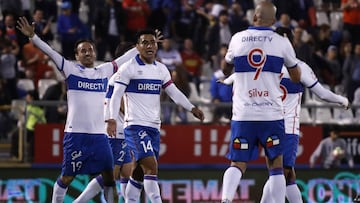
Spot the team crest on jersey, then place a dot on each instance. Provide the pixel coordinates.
(142, 134)
(240, 143)
(272, 141)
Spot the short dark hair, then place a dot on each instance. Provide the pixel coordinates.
(82, 41)
(34, 94)
(284, 30)
(144, 32)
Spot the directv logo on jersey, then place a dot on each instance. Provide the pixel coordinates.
(256, 39)
(149, 87)
(90, 85)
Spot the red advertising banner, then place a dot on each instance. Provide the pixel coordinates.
(180, 144)
(208, 144)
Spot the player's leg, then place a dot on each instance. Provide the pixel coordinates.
(271, 140)
(231, 180)
(92, 189)
(60, 188)
(135, 185)
(240, 150)
(110, 192)
(293, 193)
(151, 186)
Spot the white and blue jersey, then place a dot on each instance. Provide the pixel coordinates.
(292, 93)
(86, 91)
(142, 95)
(258, 55)
(140, 85)
(86, 146)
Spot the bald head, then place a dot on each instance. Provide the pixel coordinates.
(265, 14)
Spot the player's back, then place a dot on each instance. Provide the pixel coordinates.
(258, 55)
(292, 95)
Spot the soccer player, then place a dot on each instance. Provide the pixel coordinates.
(141, 80)
(258, 55)
(122, 156)
(86, 146)
(292, 106)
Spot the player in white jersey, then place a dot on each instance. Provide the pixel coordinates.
(292, 93)
(121, 152)
(258, 55)
(86, 146)
(140, 80)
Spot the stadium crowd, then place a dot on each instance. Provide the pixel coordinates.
(326, 35)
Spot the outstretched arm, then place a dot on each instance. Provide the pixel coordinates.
(329, 96)
(29, 31)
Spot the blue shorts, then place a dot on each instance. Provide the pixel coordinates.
(143, 141)
(86, 154)
(290, 146)
(247, 135)
(120, 151)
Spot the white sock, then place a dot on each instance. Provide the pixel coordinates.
(123, 184)
(231, 181)
(91, 190)
(110, 192)
(133, 191)
(59, 191)
(152, 189)
(266, 197)
(293, 194)
(277, 185)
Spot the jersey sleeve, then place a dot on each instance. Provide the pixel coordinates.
(229, 57)
(308, 77)
(290, 59)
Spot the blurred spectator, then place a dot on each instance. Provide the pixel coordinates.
(284, 21)
(237, 18)
(331, 151)
(218, 34)
(351, 19)
(8, 68)
(302, 48)
(216, 60)
(5, 118)
(11, 6)
(192, 62)
(70, 29)
(351, 71)
(42, 26)
(169, 55)
(187, 20)
(109, 28)
(9, 31)
(302, 11)
(323, 39)
(34, 115)
(56, 92)
(179, 77)
(137, 12)
(245, 4)
(334, 66)
(220, 93)
(34, 59)
(48, 7)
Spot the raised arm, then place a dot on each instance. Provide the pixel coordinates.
(29, 31)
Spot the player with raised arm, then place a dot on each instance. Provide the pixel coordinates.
(141, 80)
(122, 156)
(292, 93)
(86, 146)
(257, 55)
